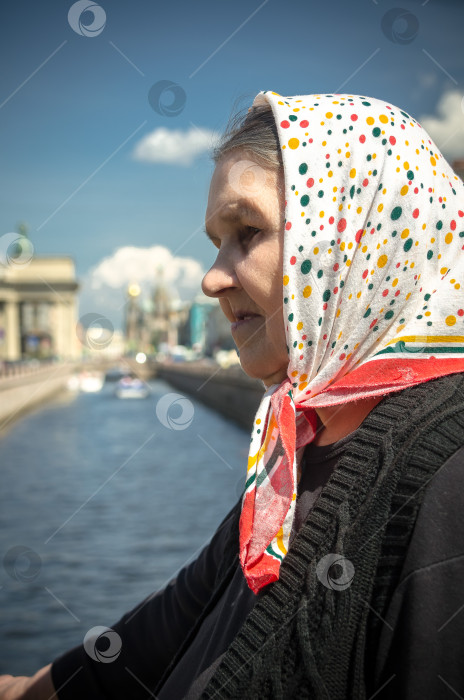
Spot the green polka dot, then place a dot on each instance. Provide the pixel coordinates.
(376, 131)
(439, 225)
(410, 175)
(320, 193)
(407, 245)
(303, 168)
(326, 295)
(396, 213)
(389, 314)
(368, 313)
(429, 254)
(304, 201)
(306, 266)
(290, 318)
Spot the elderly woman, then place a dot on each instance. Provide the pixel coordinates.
(339, 228)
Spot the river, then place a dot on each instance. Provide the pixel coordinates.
(102, 500)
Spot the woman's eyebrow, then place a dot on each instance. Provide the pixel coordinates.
(237, 214)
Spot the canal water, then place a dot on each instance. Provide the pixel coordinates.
(102, 500)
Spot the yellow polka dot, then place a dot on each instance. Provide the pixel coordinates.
(286, 279)
(395, 282)
(404, 190)
(405, 233)
(383, 118)
(382, 261)
(303, 377)
(353, 172)
(300, 346)
(342, 245)
(329, 115)
(370, 120)
(448, 237)
(330, 173)
(307, 292)
(321, 214)
(293, 143)
(359, 210)
(258, 420)
(450, 320)
(443, 270)
(457, 286)
(299, 325)
(400, 328)
(380, 207)
(302, 386)
(294, 373)
(406, 165)
(434, 162)
(338, 313)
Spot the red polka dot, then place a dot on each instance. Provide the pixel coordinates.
(362, 138)
(288, 225)
(392, 140)
(310, 140)
(358, 235)
(373, 323)
(354, 117)
(415, 213)
(460, 312)
(285, 124)
(342, 189)
(292, 260)
(416, 190)
(403, 126)
(324, 337)
(365, 182)
(364, 274)
(327, 155)
(335, 267)
(304, 123)
(321, 227)
(324, 306)
(335, 290)
(341, 226)
(310, 182)
(303, 337)
(301, 357)
(453, 225)
(385, 292)
(342, 356)
(331, 220)
(396, 293)
(461, 213)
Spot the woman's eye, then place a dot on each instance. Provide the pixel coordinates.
(250, 231)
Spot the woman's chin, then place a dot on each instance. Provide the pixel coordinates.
(257, 368)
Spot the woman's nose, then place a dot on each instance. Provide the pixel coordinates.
(220, 278)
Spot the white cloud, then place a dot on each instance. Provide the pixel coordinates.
(104, 288)
(176, 147)
(447, 128)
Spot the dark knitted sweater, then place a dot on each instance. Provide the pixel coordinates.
(303, 638)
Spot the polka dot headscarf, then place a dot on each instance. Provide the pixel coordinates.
(372, 284)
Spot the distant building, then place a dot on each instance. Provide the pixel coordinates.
(38, 308)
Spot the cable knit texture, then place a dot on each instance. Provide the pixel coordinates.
(303, 639)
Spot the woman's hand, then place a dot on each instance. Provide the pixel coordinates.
(38, 687)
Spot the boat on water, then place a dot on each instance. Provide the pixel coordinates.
(88, 382)
(131, 388)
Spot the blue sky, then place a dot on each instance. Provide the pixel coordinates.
(69, 127)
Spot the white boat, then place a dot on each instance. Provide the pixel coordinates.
(131, 388)
(88, 382)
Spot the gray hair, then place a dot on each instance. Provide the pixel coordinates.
(254, 131)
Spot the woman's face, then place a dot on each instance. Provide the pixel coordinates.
(245, 221)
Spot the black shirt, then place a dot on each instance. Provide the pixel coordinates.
(430, 589)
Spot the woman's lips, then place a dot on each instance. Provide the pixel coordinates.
(244, 322)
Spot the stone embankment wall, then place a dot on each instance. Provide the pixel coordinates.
(229, 391)
(20, 393)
